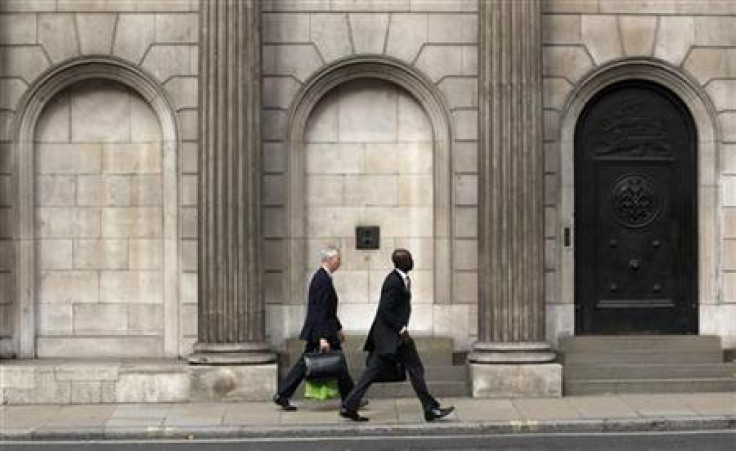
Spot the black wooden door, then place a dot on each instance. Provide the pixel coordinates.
(635, 213)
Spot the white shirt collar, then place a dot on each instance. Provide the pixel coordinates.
(402, 274)
(327, 270)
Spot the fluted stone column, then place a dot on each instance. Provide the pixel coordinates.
(506, 359)
(231, 314)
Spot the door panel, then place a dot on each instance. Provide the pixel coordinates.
(635, 213)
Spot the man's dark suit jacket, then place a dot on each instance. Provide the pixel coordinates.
(321, 320)
(394, 310)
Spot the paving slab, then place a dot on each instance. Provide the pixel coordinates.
(711, 404)
(546, 409)
(601, 407)
(486, 410)
(307, 417)
(609, 413)
(141, 411)
(660, 405)
(251, 413)
(140, 423)
(382, 416)
(27, 417)
(379, 411)
(90, 416)
(409, 410)
(195, 415)
(315, 406)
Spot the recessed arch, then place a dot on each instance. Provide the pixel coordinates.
(32, 104)
(708, 135)
(424, 92)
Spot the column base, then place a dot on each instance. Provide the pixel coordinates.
(514, 352)
(233, 383)
(7, 349)
(231, 354)
(516, 381)
(514, 370)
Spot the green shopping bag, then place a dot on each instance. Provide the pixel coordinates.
(322, 390)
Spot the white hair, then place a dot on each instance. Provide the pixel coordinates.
(327, 253)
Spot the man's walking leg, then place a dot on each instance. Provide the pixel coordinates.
(352, 402)
(294, 377)
(345, 383)
(288, 385)
(408, 353)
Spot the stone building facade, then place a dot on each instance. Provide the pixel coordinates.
(169, 168)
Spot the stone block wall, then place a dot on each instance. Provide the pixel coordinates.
(96, 197)
(695, 38)
(369, 162)
(99, 224)
(439, 40)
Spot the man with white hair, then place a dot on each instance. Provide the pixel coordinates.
(322, 329)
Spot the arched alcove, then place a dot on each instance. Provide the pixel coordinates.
(704, 117)
(35, 100)
(405, 79)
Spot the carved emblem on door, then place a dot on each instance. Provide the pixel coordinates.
(635, 202)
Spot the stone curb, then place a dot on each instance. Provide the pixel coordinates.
(653, 424)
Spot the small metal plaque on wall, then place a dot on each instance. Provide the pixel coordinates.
(367, 237)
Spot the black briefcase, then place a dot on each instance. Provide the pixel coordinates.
(392, 370)
(324, 365)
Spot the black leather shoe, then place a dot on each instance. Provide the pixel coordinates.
(437, 413)
(283, 403)
(350, 415)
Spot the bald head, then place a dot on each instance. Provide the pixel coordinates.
(402, 260)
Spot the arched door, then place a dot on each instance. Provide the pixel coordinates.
(636, 253)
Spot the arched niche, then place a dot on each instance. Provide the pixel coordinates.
(32, 104)
(704, 116)
(424, 92)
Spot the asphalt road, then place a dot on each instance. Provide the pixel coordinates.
(700, 441)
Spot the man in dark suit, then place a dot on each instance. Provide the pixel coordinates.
(389, 341)
(322, 329)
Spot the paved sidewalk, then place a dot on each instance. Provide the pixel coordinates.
(711, 411)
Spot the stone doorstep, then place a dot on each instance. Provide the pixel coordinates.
(93, 381)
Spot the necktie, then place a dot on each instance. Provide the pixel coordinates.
(408, 284)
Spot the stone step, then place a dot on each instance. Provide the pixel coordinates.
(405, 390)
(644, 364)
(653, 343)
(357, 358)
(431, 373)
(429, 358)
(604, 386)
(354, 343)
(667, 371)
(634, 356)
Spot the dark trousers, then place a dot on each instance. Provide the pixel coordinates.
(407, 353)
(295, 376)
